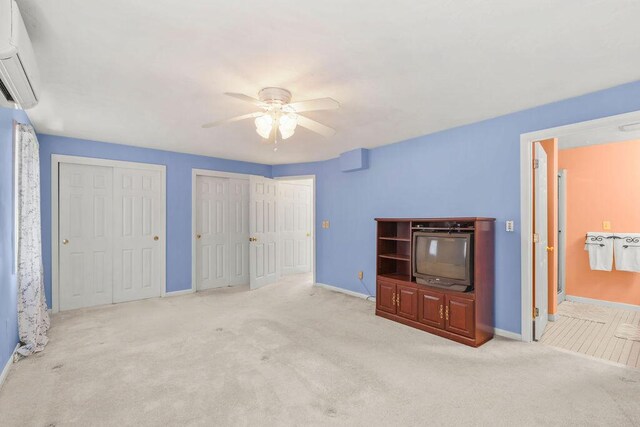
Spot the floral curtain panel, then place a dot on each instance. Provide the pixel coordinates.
(33, 318)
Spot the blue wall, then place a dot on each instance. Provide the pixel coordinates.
(8, 291)
(178, 194)
(471, 170)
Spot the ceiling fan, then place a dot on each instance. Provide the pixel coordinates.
(279, 115)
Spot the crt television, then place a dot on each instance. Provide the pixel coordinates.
(444, 260)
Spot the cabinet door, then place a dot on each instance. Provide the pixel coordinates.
(459, 316)
(386, 296)
(431, 308)
(407, 301)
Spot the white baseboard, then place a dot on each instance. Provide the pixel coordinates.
(178, 293)
(7, 366)
(603, 303)
(507, 334)
(346, 291)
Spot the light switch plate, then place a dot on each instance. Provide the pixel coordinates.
(606, 225)
(509, 225)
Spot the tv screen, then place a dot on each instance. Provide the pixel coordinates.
(444, 256)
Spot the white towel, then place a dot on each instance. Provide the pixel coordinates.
(600, 249)
(627, 250)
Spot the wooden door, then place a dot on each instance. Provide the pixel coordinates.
(386, 296)
(86, 237)
(431, 308)
(407, 302)
(459, 316)
(138, 227)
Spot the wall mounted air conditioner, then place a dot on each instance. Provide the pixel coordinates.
(18, 68)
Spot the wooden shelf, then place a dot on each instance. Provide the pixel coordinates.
(399, 257)
(396, 276)
(443, 229)
(397, 239)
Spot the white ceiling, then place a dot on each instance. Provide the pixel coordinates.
(149, 73)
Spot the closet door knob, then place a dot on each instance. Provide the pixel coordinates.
(65, 241)
(198, 236)
(155, 238)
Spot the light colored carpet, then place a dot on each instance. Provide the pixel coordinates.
(628, 331)
(292, 354)
(589, 312)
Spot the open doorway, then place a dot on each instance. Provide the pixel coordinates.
(581, 262)
(296, 228)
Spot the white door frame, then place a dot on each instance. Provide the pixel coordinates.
(56, 159)
(561, 293)
(313, 215)
(194, 174)
(526, 194)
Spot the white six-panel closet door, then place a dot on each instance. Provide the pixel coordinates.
(295, 227)
(85, 230)
(212, 228)
(264, 257)
(139, 225)
(238, 231)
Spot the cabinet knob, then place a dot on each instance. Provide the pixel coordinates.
(198, 236)
(549, 248)
(156, 238)
(65, 241)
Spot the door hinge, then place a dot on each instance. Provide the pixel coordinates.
(536, 163)
(536, 237)
(537, 312)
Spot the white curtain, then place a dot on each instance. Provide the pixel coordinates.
(33, 318)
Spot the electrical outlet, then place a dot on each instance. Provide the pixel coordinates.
(509, 225)
(360, 275)
(325, 223)
(606, 225)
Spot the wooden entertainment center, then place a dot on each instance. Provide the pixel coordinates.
(466, 317)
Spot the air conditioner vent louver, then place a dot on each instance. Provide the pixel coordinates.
(5, 92)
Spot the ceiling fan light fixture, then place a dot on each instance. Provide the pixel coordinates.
(263, 125)
(288, 123)
(279, 115)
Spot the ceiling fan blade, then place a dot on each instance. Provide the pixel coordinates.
(315, 104)
(246, 98)
(232, 119)
(316, 127)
